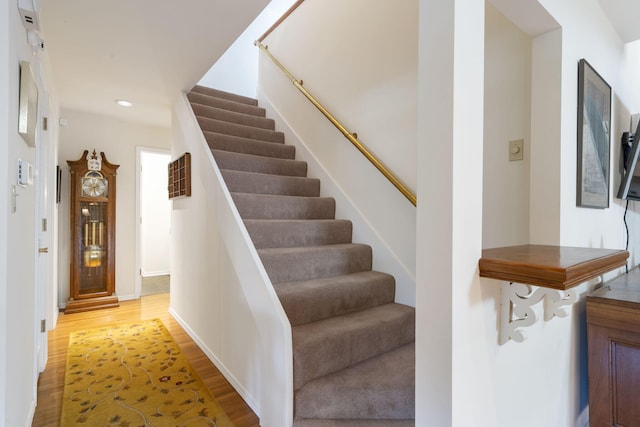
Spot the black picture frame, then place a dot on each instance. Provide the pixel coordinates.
(594, 138)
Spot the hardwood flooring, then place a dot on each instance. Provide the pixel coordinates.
(51, 381)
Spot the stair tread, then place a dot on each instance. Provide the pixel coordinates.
(279, 233)
(260, 183)
(217, 93)
(232, 116)
(238, 144)
(230, 105)
(389, 381)
(306, 422)
(330, 345)
(244, 131)
(255, 163)
(312, 300)
(314, 262)
(274, 206)
(313, 249)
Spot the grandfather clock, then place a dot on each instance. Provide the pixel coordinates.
(93, 231)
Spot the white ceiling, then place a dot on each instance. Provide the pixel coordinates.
(532, 18)
(145, 51)
(625, 17)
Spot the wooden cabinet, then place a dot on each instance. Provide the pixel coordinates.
(93, 225)
(613, 328)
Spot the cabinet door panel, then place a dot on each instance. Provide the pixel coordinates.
(626, 383)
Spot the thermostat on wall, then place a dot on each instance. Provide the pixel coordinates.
(25, 173)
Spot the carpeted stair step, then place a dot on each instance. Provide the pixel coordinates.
(340, 395)
(259, 164)
(260, 183)
(232, 116)
(226, 104)
(352, 423)
(314, 262)
(217, 93)
(268, 206)
(219, 141)
(274, 233)
(330, 345)
(219, 126)
(312, 300)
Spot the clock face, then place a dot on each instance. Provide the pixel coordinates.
(94, 185)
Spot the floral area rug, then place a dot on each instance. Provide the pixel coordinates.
(134, 375)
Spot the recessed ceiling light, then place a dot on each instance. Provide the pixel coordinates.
(124, 103)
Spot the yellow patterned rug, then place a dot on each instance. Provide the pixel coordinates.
(134, 375)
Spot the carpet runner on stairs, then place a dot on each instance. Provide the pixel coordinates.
(353, 346)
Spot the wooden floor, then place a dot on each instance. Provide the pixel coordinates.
(51, 381)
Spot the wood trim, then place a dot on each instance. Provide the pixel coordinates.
(556, 267)
(279, 21)
(180, 177)
(91, 303)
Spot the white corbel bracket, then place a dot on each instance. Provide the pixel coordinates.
(516, 311)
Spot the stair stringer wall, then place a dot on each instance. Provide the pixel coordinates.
(384, 257)
(268, 387)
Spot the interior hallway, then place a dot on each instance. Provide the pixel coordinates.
(51, 381)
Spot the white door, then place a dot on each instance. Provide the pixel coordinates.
(154, 214)
(44, 265)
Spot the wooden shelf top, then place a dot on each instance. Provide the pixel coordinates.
(623, 291)
(556, 267)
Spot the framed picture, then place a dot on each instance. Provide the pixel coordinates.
(28, 104)
(594, 134)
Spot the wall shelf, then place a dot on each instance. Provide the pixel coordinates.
(554, 270)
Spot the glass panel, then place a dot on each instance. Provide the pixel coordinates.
(93, 252)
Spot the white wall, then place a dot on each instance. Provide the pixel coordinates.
(452, 388)
(18, 370)
(118, 140)
(5, 107)
(591, 37)
(626, 101)
(542, 381)
(507, 117)
(363, 78)
(237, 70)
(206, 296)
(155, 211)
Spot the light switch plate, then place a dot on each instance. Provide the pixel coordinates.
(516, 150)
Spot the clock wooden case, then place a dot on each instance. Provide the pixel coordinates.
(93, 226)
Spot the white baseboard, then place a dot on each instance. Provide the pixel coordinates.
(155, 273)
(221, 367)
(32, 414)
(583, 418)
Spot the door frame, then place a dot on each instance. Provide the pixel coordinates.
(138, 261)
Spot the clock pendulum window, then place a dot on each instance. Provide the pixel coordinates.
(92, 219)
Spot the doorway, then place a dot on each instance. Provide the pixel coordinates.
(154, 222)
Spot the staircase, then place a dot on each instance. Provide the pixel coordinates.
(353, 346)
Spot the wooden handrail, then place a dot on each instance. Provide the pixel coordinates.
(352, 137)
(279, 21)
